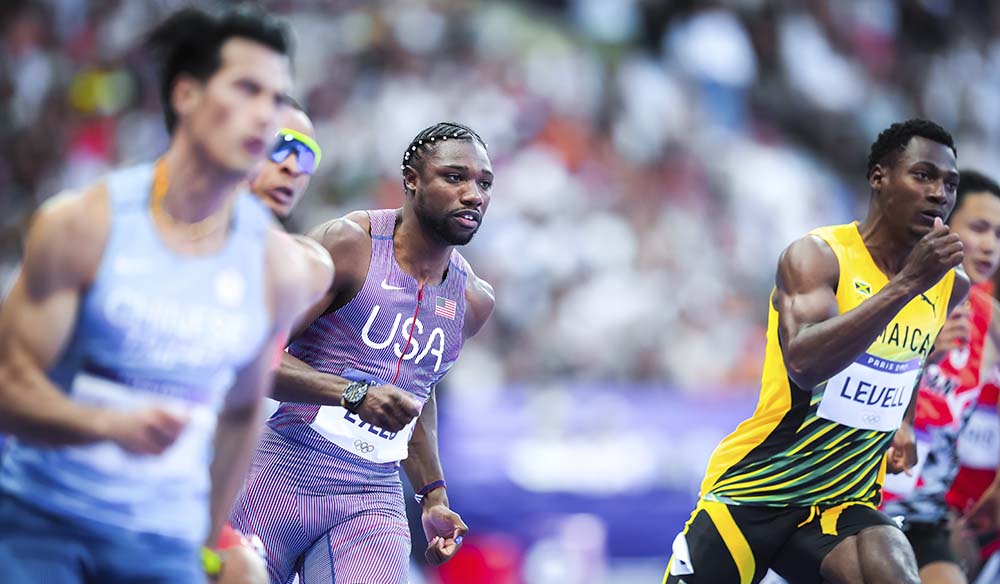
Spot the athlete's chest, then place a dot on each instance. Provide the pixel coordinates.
(912, 330)
(191, 316)
(424, 331)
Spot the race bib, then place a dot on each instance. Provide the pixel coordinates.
(347, 430)
(190, 450)
(350, 432)
(979, 442)
(903, 485)
(870, 394)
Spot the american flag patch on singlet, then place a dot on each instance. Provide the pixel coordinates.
(445, 307)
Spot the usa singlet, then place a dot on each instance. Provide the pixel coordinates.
(827, 446)
(392, 331)
(324, 493)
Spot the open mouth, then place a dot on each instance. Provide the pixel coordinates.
(254, 146)
(984, 267)
(282, 195)
(467, 219)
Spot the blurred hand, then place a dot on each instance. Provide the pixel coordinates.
(242, 561)
(389, 407)
(147, 431)
(984, 516)
(242, 565)
(444, 530)
(902, 455)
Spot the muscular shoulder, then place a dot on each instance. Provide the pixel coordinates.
(479, 302)
(300, 271)
(344, 234)
(348, 241)
(67, 238)
(806, 264)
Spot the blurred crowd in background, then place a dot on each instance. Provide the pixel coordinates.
(652, 157)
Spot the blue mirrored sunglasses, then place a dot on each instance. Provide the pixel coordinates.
(306, 150)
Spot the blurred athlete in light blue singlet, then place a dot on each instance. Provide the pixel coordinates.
(141, 334)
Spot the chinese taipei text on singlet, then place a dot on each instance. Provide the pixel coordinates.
(156, 327)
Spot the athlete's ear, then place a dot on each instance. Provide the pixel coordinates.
(185, 95)
(410, 179)
(876, 178)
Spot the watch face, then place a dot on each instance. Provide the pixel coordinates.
(355, 392)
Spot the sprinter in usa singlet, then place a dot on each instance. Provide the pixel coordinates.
(324, 493)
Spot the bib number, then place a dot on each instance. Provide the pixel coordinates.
(350, 432)
(347, 430)
(870, 394)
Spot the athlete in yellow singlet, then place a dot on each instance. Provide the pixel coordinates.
(853, 314)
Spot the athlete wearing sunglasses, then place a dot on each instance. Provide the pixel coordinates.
(284, 177)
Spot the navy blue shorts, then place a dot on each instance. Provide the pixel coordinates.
(39, 547)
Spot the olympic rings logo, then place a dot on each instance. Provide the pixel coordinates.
(362, 446)
(872, 418)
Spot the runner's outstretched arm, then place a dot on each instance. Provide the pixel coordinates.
(295, 281)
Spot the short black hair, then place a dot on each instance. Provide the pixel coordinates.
(972, 181)
(893, 140)
(189, 42)
(427, 140)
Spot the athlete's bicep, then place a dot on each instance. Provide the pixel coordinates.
(805, 287)
(349, 246)
(34, 330)
(61, 256)
(311, 314)
(287, 300)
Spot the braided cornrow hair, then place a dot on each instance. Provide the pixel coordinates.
(427, 140)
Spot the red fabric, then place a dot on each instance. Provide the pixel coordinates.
(945, 388)
(970, 483)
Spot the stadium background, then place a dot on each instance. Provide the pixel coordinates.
(652, 158)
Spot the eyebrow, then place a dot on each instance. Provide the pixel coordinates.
(464, 168)
(933, 165)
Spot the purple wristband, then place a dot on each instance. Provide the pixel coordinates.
(438, 484)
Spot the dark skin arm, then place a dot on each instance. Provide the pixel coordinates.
(817, 342)
(443, 527)
(385, 406)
